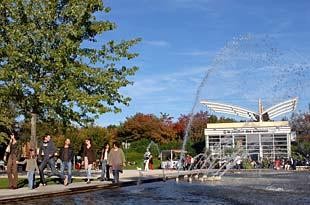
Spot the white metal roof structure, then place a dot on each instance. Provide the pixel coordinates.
(281, 108)
(230, 109)
(261, 115)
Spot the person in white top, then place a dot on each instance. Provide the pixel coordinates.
(146, 160)
(238, 162)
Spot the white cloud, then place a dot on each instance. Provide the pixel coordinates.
(166, 86)
(159, 43)
(197, 53)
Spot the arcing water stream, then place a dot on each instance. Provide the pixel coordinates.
(248, 68)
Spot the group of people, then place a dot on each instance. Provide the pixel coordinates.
(111, 159)
(286, 164)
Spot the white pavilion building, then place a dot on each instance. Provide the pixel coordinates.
(260, 138)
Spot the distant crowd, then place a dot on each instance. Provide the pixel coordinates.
(238, 162)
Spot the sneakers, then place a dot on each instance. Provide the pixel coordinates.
(66, 180)
(88, 181)
(103, 179)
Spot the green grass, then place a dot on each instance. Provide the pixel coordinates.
(23, 182)
(135, 159)
(3, 183)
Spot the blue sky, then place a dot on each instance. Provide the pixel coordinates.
(254, 48)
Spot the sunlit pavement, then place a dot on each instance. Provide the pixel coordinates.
(128, 176)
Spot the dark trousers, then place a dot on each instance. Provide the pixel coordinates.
(51, 163)
(115, 176)
(12, 171)
(108, 172)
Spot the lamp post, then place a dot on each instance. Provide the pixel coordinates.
(126, 146)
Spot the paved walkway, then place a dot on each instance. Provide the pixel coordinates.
(129, 177)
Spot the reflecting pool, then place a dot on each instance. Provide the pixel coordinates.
(257, 187)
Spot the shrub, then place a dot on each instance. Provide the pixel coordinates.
(246, 164)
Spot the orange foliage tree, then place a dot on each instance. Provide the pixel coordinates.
(147, 126)
(199, 123)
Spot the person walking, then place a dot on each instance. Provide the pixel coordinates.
(188, 161)
(89, 158)
(117, 161)
(105, 173)
(12, 155)
(238, 161)
(31, 167)
(151, 163)
(146, 161)
(66, 156)
(46, 152)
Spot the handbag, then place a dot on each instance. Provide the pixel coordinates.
(8, 149)
(7, 153)
(6, 156)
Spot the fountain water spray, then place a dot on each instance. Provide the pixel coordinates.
(213, 67)
(253, 63)
(156, 145)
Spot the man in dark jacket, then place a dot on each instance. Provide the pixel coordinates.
(66, 156)
(46, 152)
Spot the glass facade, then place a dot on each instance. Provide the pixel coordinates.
(258, 140)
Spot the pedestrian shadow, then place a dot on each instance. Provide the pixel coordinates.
(22, 182)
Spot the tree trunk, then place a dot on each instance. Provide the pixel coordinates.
(33, 140)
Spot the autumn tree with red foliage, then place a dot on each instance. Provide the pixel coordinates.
(199, 123)
(180, 125)
(147, 126)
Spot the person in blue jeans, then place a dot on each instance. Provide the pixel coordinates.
(66, 156)
(31, 167)
(105, 173)
(89, 158)
(46, 152)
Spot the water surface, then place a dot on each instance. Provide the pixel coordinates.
(258, 187)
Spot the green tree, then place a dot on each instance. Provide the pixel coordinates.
(50, 65)
(98, 136)
(300, 123)
(7, 118)
(301, 150)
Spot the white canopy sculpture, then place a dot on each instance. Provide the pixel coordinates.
(261, 115)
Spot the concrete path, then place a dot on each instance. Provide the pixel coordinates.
(129, 177)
